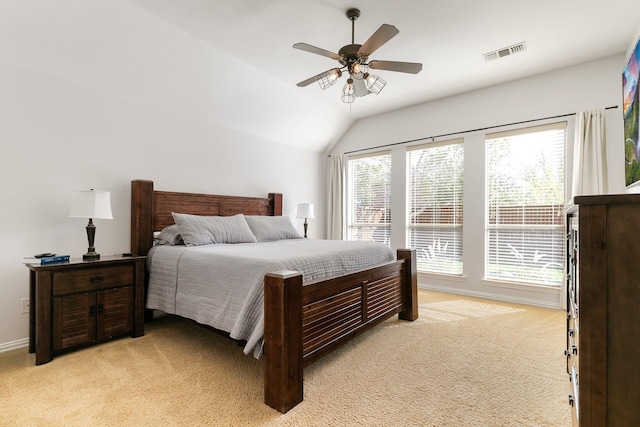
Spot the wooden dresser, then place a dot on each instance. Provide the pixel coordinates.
(603, 307)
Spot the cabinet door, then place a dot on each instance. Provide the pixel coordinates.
(115, 312)
(74, 320)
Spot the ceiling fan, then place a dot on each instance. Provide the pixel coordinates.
(353, 59)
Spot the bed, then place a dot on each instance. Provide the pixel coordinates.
(300, 320)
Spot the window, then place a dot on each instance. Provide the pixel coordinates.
(525, 198)
(369, 197)
(435, 173)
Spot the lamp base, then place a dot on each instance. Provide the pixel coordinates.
(91, 256)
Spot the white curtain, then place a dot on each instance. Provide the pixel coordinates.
(335, 224)
(589, 155)
(589, 162)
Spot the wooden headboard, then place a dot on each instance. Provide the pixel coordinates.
(151, 210)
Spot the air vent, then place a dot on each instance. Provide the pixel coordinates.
(501, 53)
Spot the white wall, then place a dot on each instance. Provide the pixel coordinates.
(592, 85)
(81, 108)
(97, 93)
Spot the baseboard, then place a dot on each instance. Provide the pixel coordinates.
(14, 345)
(492, 296)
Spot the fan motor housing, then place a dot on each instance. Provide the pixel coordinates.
(349, 54)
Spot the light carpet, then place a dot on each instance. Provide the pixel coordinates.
(464, 362)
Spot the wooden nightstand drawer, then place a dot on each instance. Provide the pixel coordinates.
(92, 279)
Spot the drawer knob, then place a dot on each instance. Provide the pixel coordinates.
(97, 279)
(574, 349)
(570, 332)
(571, 400)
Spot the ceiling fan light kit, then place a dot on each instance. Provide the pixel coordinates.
(353, 59)
(374, 83)
(329, 78)
(349, 92)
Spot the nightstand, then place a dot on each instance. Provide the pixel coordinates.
(79, 303)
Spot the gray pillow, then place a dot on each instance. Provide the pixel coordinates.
(268, 228)
(170, 235)
(199, 230)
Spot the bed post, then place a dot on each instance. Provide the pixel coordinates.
(275, 204)
(283, 340)
(141, 216)
(409, 285)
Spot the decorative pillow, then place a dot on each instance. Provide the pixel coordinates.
(267, 228)
(204, 230)
(169, 236)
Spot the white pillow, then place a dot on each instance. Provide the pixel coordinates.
(268, 228)
(199, 230)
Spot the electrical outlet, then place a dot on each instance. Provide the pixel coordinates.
(25, 305)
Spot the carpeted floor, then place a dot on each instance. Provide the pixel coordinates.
(464, 362)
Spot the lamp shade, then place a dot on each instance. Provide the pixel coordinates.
(305, 210)
(91, 204)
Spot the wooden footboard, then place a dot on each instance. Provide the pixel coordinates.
(305, 322)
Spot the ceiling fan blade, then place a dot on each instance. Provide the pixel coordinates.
(360, 87)
(316, 50)
(385, 33)
(403, 67)
(314, 78)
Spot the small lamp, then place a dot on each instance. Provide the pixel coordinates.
(305, 210)
(91, 204)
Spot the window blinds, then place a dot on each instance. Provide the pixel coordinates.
(435, 173)
(369, 197)
(525, 172)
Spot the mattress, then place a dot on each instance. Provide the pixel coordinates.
(222, 285)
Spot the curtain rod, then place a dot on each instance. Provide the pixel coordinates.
(432, 138)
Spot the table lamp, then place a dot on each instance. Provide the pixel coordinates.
(305, 210)
(91, 204)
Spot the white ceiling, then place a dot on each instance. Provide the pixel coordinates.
(449, 37)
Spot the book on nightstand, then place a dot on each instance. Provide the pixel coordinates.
(54, 259)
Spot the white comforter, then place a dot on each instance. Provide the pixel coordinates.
(222, 285)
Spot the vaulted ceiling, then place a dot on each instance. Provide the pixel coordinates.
(449, 37)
